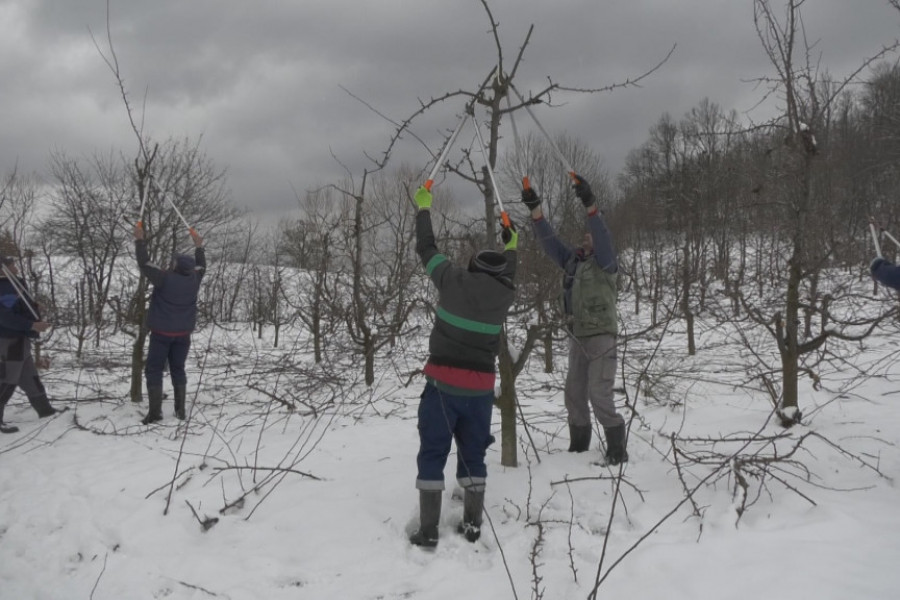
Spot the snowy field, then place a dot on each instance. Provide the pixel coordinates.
(256, 499)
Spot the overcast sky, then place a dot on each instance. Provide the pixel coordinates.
(260, 81)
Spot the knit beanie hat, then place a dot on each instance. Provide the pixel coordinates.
(488, 261)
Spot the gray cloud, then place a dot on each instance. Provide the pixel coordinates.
(261, 81)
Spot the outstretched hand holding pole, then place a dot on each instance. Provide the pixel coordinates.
(510, 237)
(532, 201)
(583, 191)
(423, 197)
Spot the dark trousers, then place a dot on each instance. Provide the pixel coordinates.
(17, 366)
(17, 369)
(165, 349)
(444, 417)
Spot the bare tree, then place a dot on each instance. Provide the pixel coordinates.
(89, 204)
(306, 243)
(174, 187)
(808, 96)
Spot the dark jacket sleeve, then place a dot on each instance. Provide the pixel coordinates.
(200, 261)
(556, 249)
(156, 276)
(436, 264)
(512, 258)
(604, 252)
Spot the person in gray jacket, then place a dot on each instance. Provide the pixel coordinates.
(589, 301)
(171, 318)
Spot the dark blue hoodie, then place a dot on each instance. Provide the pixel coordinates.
(15, 318)
(173, 303)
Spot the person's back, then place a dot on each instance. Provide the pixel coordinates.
(471, 310)
(173, 303)
(459, 394)
(171, 318)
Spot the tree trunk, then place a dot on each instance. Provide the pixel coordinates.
(686, 298)
(507, 403)
(137, 366)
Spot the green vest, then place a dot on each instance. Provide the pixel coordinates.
(594, 296)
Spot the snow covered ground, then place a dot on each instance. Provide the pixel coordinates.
(255, 501)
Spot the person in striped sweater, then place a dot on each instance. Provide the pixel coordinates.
(459, 392)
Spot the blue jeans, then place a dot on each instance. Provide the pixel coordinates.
(167, 349)
(444, 417)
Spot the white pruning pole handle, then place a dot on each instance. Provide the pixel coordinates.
(487, 164)
(175, 208)
(553, 145)
(141, 214)
(468, 112)
(512, 121)
(875, 238)
(21, 292)
(890, 237)
(443, 156)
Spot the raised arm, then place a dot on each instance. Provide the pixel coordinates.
(148, 269)
(558, 251)
(434, 262)
(199, 254)
(604, 252)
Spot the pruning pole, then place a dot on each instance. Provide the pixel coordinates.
(443, 156)
(177, 212)
(469, 111)
(553, 145)
(512, 121)
(487, 163)
(875, 237)
(141, 214)
(890, 237)
(20, 291)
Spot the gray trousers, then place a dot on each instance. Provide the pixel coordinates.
(17, 367)
(592, 373)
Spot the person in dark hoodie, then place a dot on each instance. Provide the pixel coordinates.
(460, 373)
(589, 302)
(18, 326)
(885, 272)
(171, 318)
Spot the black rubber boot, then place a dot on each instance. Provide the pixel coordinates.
(426, 535)
(42, 406)
(6, 392)
(180, 394)
(580, 438)
(615, 445)
(473, 508)
(154, 399)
